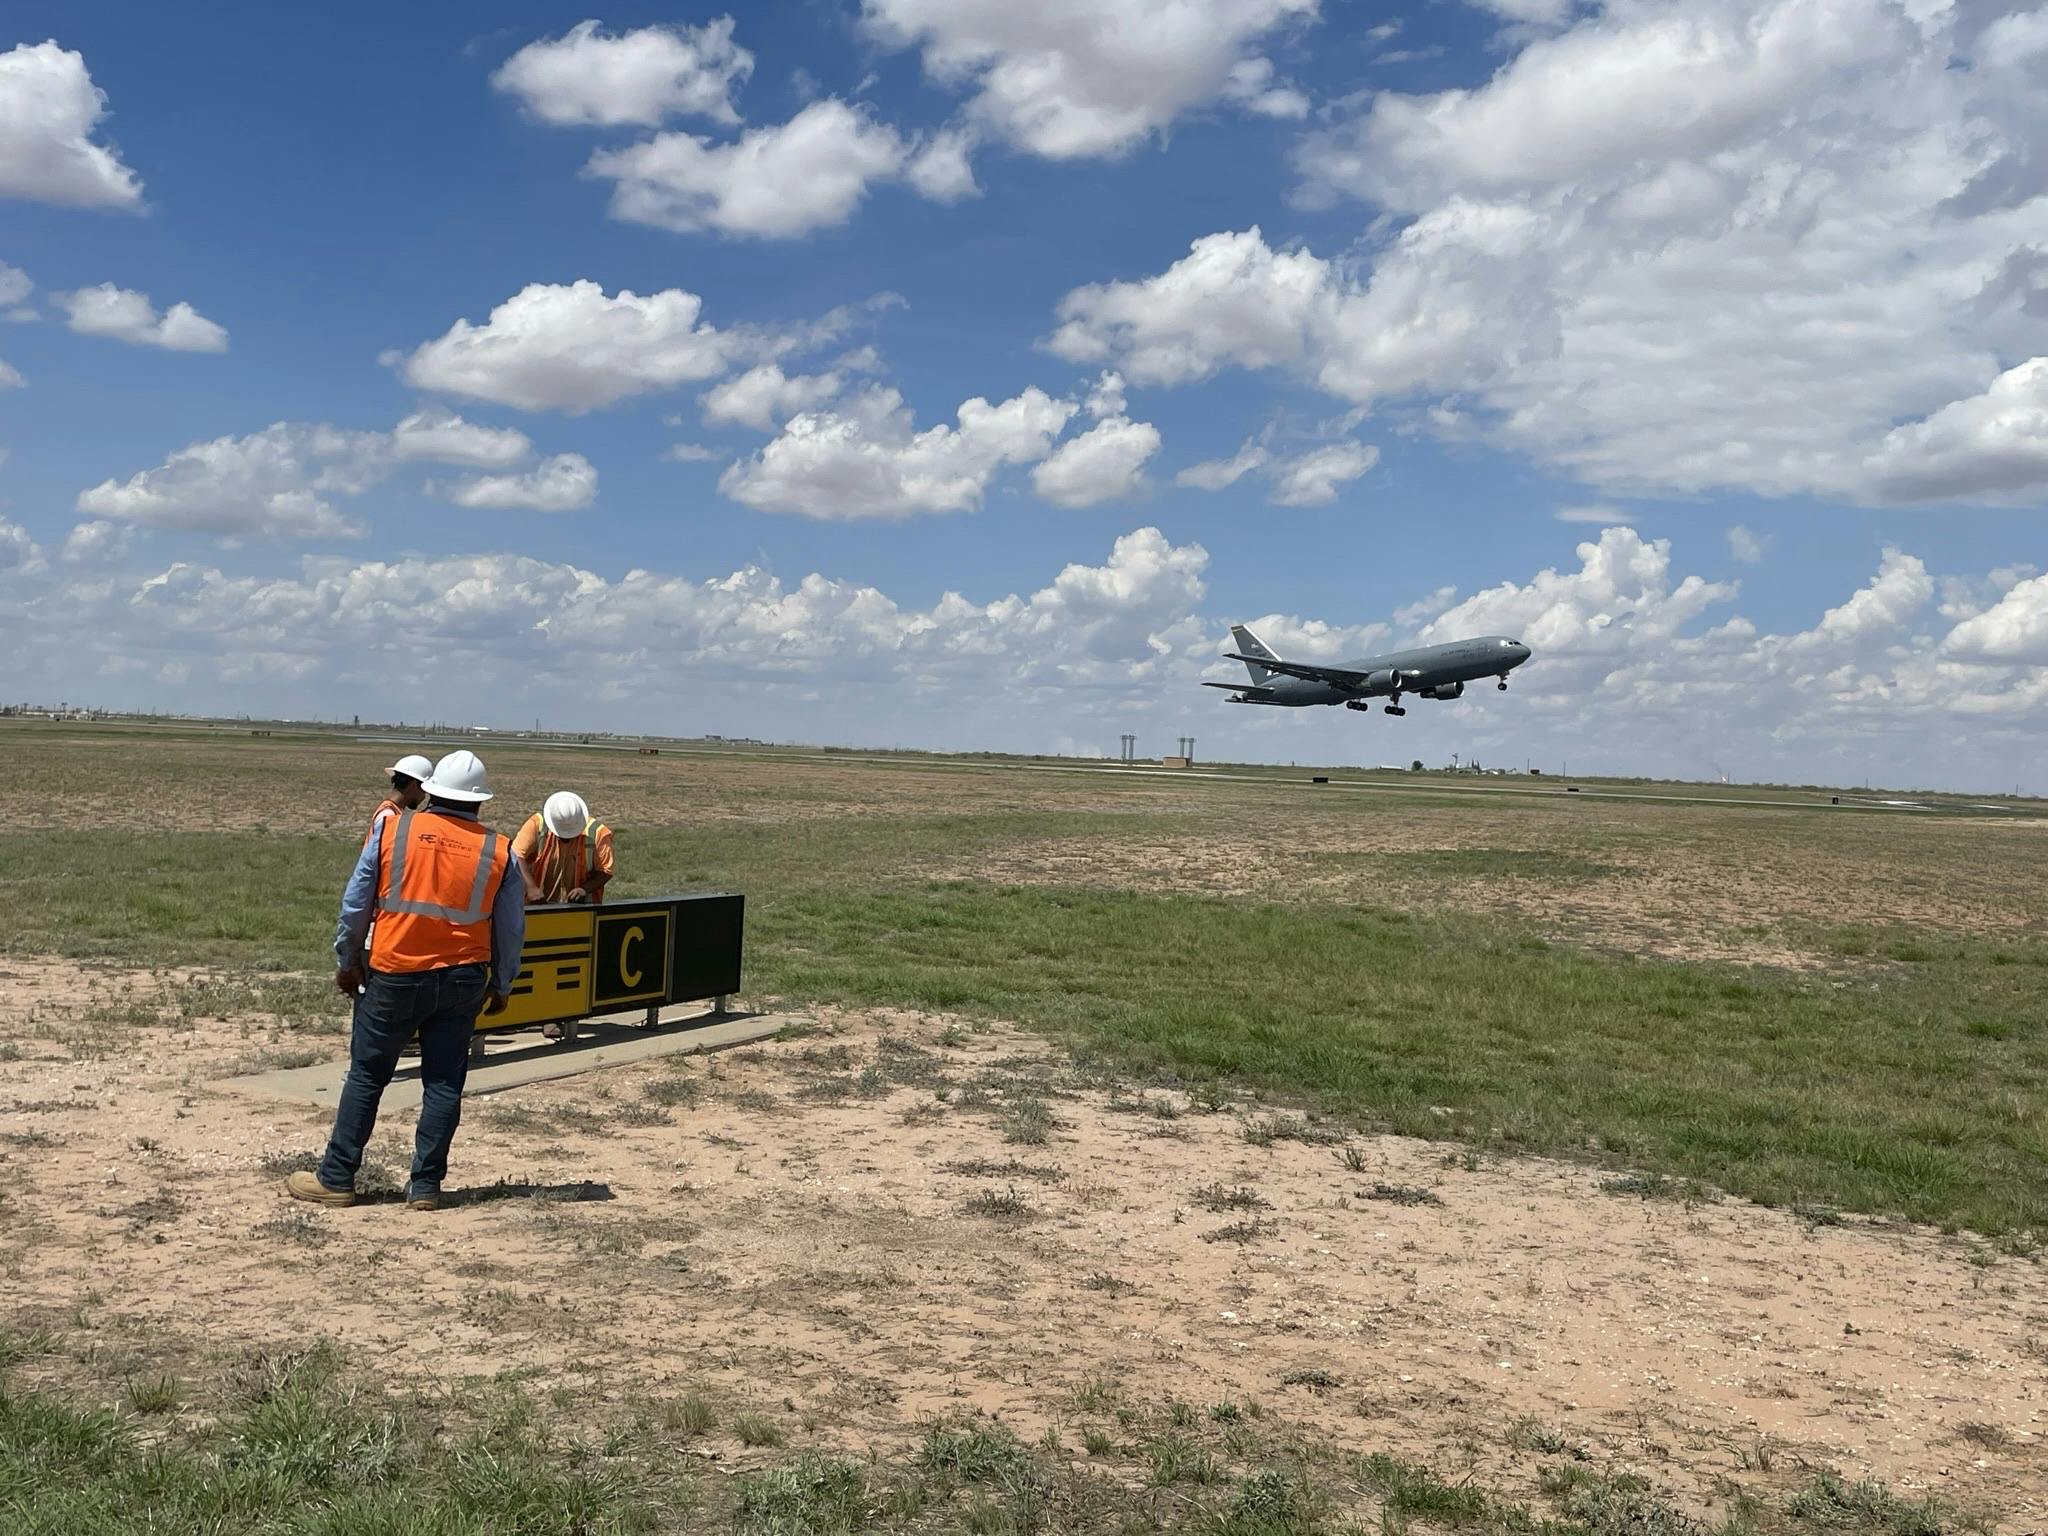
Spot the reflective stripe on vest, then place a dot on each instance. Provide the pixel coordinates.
(479, 892)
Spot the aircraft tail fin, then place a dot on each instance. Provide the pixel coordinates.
(1249, 644)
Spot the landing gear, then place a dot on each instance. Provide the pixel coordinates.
(1502, 685)
(1396, 709)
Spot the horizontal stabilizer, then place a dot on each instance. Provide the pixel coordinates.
(1335, 676)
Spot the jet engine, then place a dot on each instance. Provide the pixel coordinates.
(1382, 681)
(1445, 691)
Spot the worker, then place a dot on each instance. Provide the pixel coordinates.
(407, 775)
(450, 904)
(567, 855)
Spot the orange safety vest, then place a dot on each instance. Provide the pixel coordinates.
(552, 861)
(386, 804)
(438, 877)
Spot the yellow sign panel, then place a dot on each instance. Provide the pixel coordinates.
(554, 971)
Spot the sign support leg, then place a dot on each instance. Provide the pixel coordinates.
(476, 1045)
(718, 1005)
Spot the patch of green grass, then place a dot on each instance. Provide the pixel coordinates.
(976, 1453)
(757, 1429)
(1829, 1503)
(153, 1395)
(689, 1415)
(812, 1496)
(1808, 1089)
(305, 1454)
(1411, 1492)
(1626, 1506)
(1653, 1186)
(1269, 1502)
(1029, 1123)
(1530, 1433)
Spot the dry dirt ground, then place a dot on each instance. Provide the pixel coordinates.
(823, 1229)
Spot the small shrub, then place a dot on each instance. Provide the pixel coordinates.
(814, 1494)
(158, 1396)
(757, 1429)
(1214, 1197)
(1401, 1194)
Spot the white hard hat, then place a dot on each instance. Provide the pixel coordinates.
(460, 776)
(413, 767)
(565, 814)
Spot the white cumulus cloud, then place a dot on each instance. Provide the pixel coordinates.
(1069, 79)
(2014, 630)
(764, 397)
(1102, 464)
(438, 436)
(1313, 479)
(864, 458)
(565, 483)
(1220, 474)
(771, 183)
(1989, 446)
(281, 482)
(18, 552)
(122, 314)
(645, 76)
(1232, 301)
(1746, 546)
(96, 542)
(15, 288)
(49, 109)
(572, 347)
(1725, 245)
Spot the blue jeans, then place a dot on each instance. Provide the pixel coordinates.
(441, 1007)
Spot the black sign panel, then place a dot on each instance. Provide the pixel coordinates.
(708, 933)
(633, 947)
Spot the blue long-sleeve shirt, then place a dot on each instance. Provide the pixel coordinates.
(359, 907)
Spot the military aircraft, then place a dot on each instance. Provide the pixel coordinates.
(1432, 672)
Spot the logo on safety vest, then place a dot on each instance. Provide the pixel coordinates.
(632, 956)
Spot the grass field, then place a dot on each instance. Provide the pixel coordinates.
(1824, 1011)
(1510, 976)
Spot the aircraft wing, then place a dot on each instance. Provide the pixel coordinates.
(1336, 677)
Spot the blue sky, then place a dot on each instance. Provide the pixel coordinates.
(1556, 296)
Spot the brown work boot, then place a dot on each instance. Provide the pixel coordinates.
(307, 1186)
(423, 1202)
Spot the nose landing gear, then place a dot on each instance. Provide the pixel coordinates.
(1502, 685)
